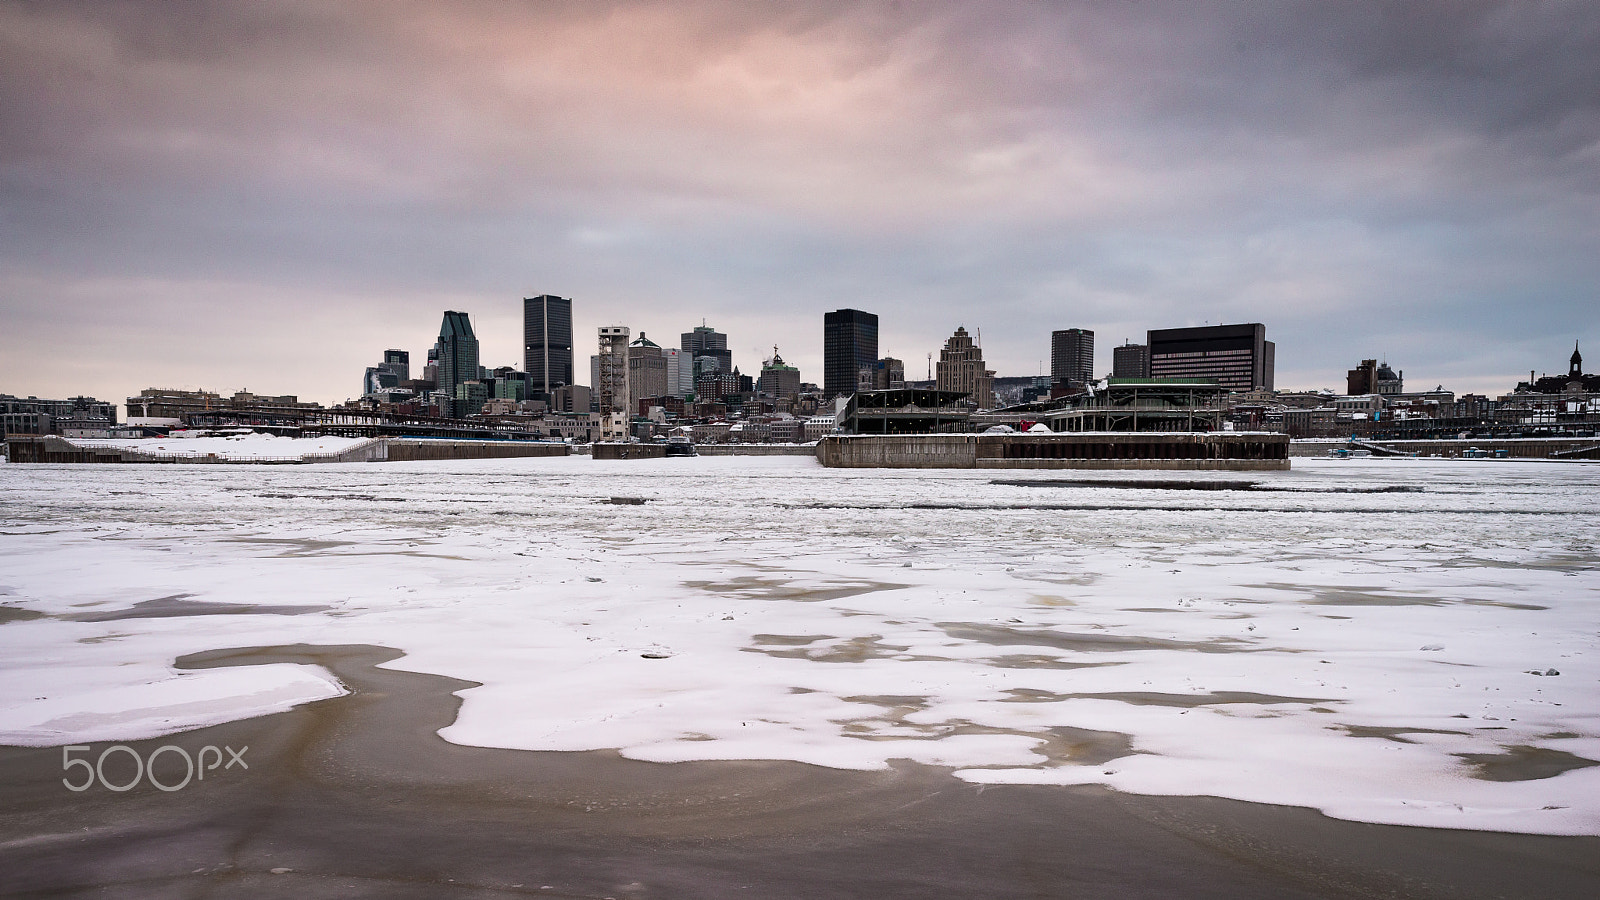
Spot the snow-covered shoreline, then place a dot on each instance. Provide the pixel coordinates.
(1366, 653)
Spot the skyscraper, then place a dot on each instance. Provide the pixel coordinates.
(1072, 357)
(849, 345)
(647, 372)
(708, 348)
(611, 370)
(1130, 361)
(961, 368)
(458, 352)
(547, 342)
(1239, 357)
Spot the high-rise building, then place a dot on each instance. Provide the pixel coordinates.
(961, 368)
(458, 352)
(611, 370)
(547, 342)
(778, 379)
(680, 372)
(891, 374)
(647, 372)
(849, 345)
(1072, 357)
(708, 348)
(1130, 361)
(398, 362)
(1239, 357)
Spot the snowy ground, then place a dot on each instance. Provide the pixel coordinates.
(1326, 641)
(237, 446)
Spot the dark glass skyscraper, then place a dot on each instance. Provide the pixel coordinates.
(547, 342)
(849, 344)
(705, 344)
(1072, 356)
(458, 352)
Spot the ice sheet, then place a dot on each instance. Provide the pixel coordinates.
(1325, 642)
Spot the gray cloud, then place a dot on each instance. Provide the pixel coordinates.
(267, 195)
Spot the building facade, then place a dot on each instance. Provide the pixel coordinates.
(547, 341)
(1239, 357)
(1072, 357)
(1373, 377)
(647, 371)
(1130, 361)
(849, 345)
(458, 353)
(961, 368)
(708, 351)
(779, 379)
(611, 370)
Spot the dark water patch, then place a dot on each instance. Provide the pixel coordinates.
(854, 650)
(1156, 698)
(1395, 734)
(790, 640)
(1521, 762)
(18, 614)
(756, 587)
(179, 606)
(1039, 661)
(1081, 642)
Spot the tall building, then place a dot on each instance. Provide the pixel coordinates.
(890, 375)
(1239, 357)
(398, 362)
(778, 379)
(611, 370)
(647, 372)
(708, 349)
(458, 352)
(961, 368)
(1072, 357)
(547, 342)
(1130, 361)
(849, 345)
(680, 372)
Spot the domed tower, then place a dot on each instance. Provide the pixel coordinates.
(1576, 369)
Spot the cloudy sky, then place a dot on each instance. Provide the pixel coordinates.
(267, 195)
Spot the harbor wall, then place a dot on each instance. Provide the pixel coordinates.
(1516, 448)
(1189, 451)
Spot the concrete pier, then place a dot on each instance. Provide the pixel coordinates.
(1232, 451)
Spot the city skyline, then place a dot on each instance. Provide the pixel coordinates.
(267, 197)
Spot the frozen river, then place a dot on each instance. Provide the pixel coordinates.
(1398, 641)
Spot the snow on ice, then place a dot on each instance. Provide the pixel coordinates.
(1397, 641)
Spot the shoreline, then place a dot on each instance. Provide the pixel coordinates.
(359, 796)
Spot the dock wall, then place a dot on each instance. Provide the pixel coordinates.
(1111, 450)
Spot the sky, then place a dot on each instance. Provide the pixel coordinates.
(266, 196)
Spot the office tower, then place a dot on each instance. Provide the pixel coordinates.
(708, 348)
(547, 342)
(891, 374)
(849, 345)
(1130, 361)
(1239, 357)
(1072, 357)
(680, 372)
(647, 372)
(961, 369)
(398, 362)
(778, 379)
(611, 370)
(458, 353)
